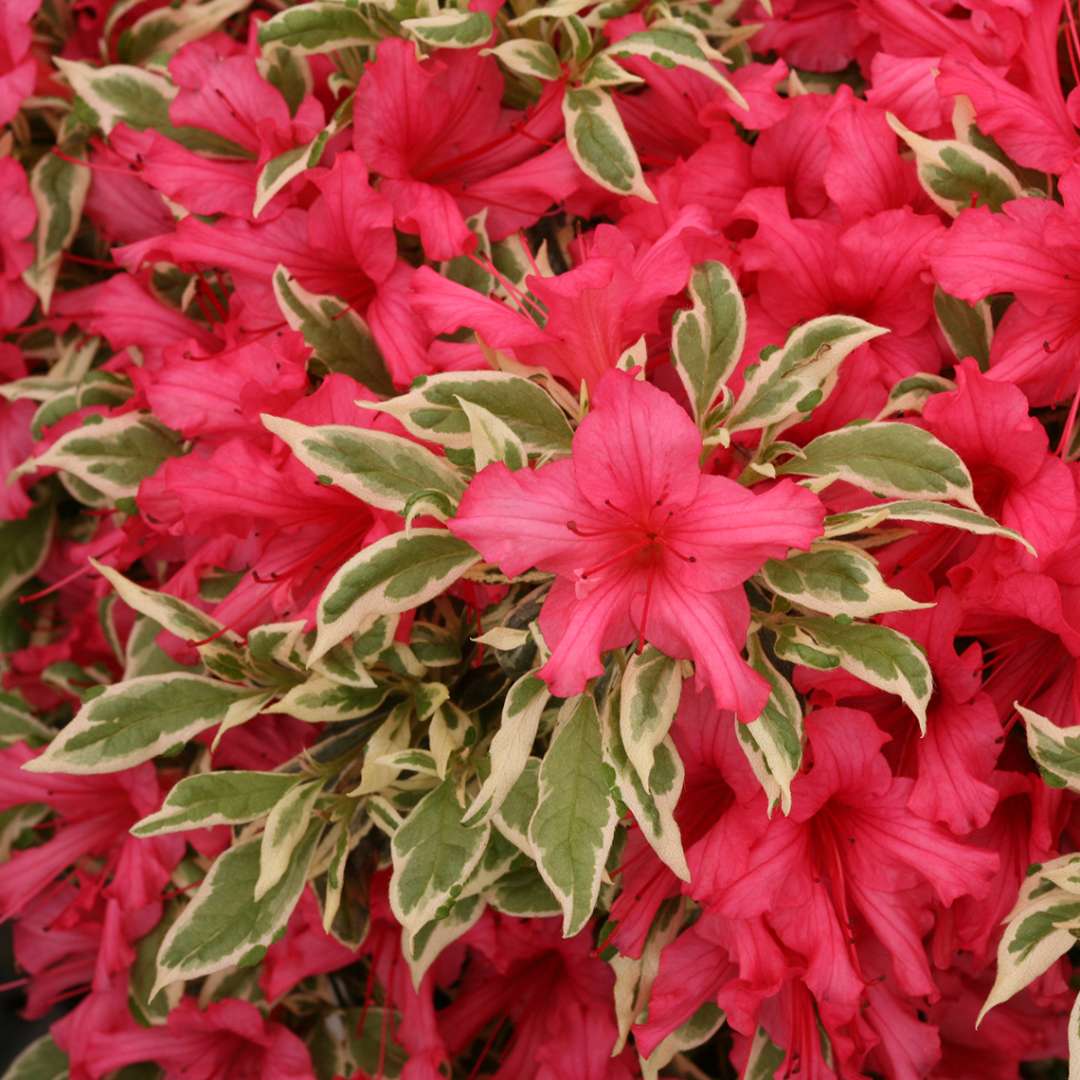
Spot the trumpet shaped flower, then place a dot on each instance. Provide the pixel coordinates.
(642, 543)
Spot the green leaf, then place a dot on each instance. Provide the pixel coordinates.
(163, 31)
(957, 175)
(702, 1025)
(422, 948)
(1040, 929)
(648, 700)
(887, 459)
(652, 801)
(766, 1058)
(930, 513)
(968, 328)
(492, 439)
(433, 411)
(217, 798)
(384, 470)
(1056, 750)
(513, 818)
(911, 394)
(836, 579)
(524, 57)
(451, 29)
(224, 922)
(285, 829)
(397, 573)
(574, 822)
(121, 93)
(320, 700)
(59, 190)
(434, 853)
(521, 892)
(773, 743)
(670, 47)
(25, 543)
(280, 171)
(18, 722)
(169, 612)
(340, 338)
(113, 456)
(41, 1060)
(707, 340)
(136, 720)
(878, 655)
(510, 748)
(600, 145)
(806, 368)
(320, 27)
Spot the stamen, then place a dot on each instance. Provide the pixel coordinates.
(618, 557)
(577, 530)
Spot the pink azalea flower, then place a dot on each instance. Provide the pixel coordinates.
(435, 132)
(230, 1038)
(1029, 250)
(18, 217)
(557, 994)
(590, 314)
(93, 815)
(306, 949)
(18, 69)
(874, 269)
(642, 544)
(852, 858)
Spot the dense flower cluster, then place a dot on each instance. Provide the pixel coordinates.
(540, 539)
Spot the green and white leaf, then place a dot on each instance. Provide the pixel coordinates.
(707, 340)
(773, 743)
(423, 947)
(652, 801)
(705, 1022)
(957, 175)
(1037, 933)
(1056, 750)
(384, 470)
(282, 169)
(163, 31)
(25, 543)
(320, 27)
(134, 721)
(492, 439)
(41, 1060)
(912, 394)
(574, 822)
(451, 29)
(885, 458)
(340, 338)
(878, 655)
(397, 573)
(968, 328)
(18, 722)
(432, 410)
(58, 188)
(930, 513)
(286, 827)
(113, 456)
(766, 1058)
(224, 924)
(836, 579)
(534, 59)
(513, 818)
(600, 144)
(217, 798)
(433, 855)
(392, 735)
(786, 386)
(510, 748)
(670, 47)
(648, 700)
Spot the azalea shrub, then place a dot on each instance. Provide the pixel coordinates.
(540, 539)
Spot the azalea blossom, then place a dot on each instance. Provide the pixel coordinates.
(644, 546)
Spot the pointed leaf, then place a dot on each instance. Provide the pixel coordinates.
(600, 145)
(648, 700)
(574, 822)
